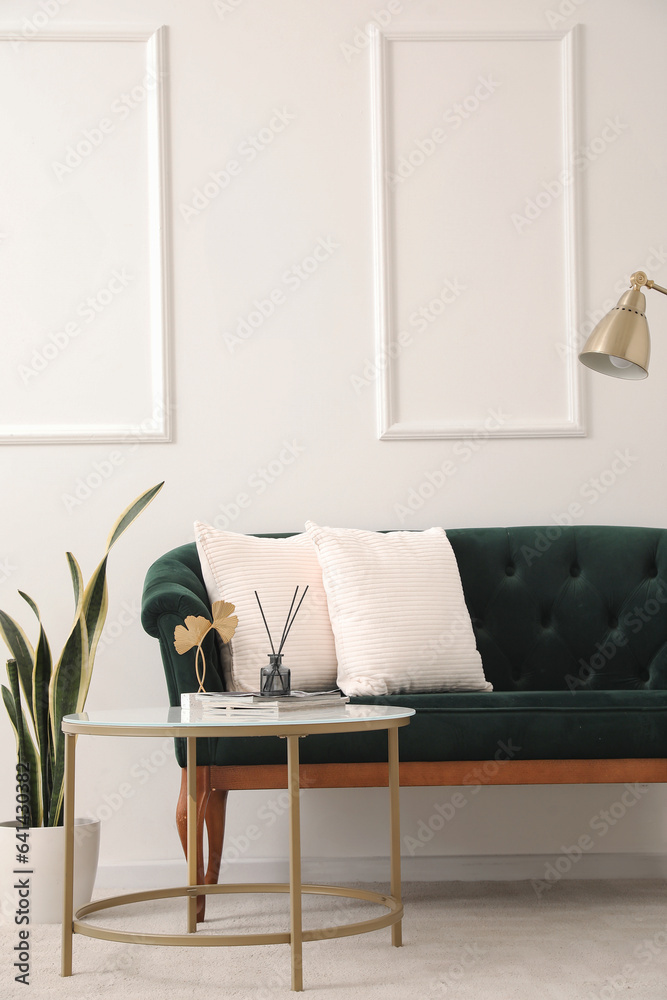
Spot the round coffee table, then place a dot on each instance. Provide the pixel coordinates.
(292, 727)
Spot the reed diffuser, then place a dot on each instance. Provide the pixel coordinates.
(275, 679)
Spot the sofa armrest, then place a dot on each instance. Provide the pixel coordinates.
(174, 589)
(171, 598)
(174, 585)
(179, 668)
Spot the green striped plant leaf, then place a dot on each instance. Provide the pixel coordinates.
(25, 747)
(94, 610)
(22, 651)
(130, 513)
(77, 582)
(52, 692)
(41, 680)
(95, 597)
(64, 697)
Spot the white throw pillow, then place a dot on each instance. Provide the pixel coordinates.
(397, 611)
(234, 566)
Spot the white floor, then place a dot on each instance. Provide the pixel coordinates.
(581, 940)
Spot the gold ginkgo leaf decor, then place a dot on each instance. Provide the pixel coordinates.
(196, 628)
(224, 622)
(191, 634)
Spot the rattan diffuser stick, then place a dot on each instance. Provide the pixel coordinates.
(288, 623)
(282, 638)
(288, 627)
(265, 625)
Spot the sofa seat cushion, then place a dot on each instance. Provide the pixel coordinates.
(528, 725)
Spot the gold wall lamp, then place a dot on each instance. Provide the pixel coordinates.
(620, 344)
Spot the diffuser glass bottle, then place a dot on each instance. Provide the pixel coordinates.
(275, 680)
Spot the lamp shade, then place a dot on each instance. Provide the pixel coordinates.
(620, 344)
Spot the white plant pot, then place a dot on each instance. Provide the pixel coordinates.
(46, 865)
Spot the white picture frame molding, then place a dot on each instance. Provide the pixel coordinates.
(158, 426)
(572, 421)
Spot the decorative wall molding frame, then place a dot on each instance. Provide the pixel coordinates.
(390, 425)
(158, 425)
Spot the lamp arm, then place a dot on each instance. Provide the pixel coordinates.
(639, 278)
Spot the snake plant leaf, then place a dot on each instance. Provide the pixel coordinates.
(130, 513)
(40, 705)
(22, 651)
(30, 601)
(21, 729)
(95, 603)
(67, 683)
(95, 596)
(77, 583)
(25, 749)
(64, 695)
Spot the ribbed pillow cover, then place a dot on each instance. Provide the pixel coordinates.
(398, 613)
(234, 566)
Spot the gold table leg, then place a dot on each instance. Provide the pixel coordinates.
(296, 929)
(395, 828)
(68, 888)
(192, 831)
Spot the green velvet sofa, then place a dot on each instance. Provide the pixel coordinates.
(571, 624)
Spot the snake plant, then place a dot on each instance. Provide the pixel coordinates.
(41, 693)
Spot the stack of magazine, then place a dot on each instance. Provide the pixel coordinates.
(224, 705)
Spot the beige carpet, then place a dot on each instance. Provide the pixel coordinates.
(462, 940)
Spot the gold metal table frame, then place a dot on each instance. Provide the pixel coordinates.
(73, 923)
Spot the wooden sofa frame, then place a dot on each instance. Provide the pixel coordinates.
(215, 782)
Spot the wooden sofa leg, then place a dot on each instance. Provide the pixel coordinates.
(215, 829)
(203, 795)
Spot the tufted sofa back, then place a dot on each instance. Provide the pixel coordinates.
(581, 607)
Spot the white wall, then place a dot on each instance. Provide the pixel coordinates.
(232, 63)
